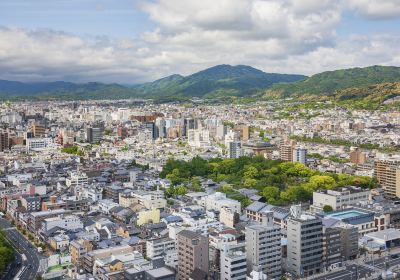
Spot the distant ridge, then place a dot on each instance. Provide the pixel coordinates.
(215, 82)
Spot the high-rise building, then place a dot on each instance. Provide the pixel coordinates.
(150, 126)
(286, 151)
(304, 247)
(387, 173)
(192, 253)
(4, 141)
(263, 246)
(94, 134)
(300, 155)
(161, 131)
(235, 149)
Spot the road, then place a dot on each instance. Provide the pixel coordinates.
(31, 264)
(359, 270)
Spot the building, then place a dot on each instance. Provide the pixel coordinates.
(233, 264)
(163, 247)
(364, 220)
(263, 247)
(217, 201)
(332, 247)
(243, 131)
(192, 253)
(94, 134)
(357, 156)
(77, 179)
(78, 248)
(387, 173)
(38, 130)
(286, 152)
(31, 204)
(68, 222)
(339, 198)
(35, 219)
(38, 144)
(4, 141)
(300, 155)
(349, 241)
(304, 245)
(235, 149)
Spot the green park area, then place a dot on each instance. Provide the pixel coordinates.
(280, 183)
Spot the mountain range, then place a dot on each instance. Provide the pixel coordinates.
(215, 82)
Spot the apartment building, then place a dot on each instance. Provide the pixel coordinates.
(192, 253)
(387, 173)
(263, 246)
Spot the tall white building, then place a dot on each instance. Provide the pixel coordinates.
(263, 247)
(233, 263)
(300, 155)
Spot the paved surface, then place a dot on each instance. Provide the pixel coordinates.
(30, 266)
(363, 268)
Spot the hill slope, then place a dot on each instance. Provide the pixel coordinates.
(217, 81)
(326, 83)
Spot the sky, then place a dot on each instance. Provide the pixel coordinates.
(135, 41)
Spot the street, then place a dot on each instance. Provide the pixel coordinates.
(30, 266)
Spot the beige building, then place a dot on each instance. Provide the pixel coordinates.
(192, 253)
(387, 173)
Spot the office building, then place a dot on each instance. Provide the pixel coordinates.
(94, 134)
(263, 246)
(39, 131)
(286, 152)
(192, 254)
(304, 244)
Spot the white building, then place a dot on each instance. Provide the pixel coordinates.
(219, 200)
(339, 199)
(68, 222)
(198, 137)
(263, 247)
(39, 144)
(300, 155)
(235, 149)
(77, 179)
(233, 264)
(165, 247)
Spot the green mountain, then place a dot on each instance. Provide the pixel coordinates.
(217, 81)
(327, 83)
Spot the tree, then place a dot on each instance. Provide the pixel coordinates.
(327, 208)
(250, 183)
(322, 182)
(196, 184)
(271, 194)
(250, 172)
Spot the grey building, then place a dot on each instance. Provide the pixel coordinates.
(233, 262)
(94, 134)
(235, 149)
(332, 247)
(263, 246)
(349, 240)
(304, 247)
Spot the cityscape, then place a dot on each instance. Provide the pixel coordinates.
(199, 140)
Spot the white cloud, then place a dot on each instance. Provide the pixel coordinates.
(376, 9)
(287, 36)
